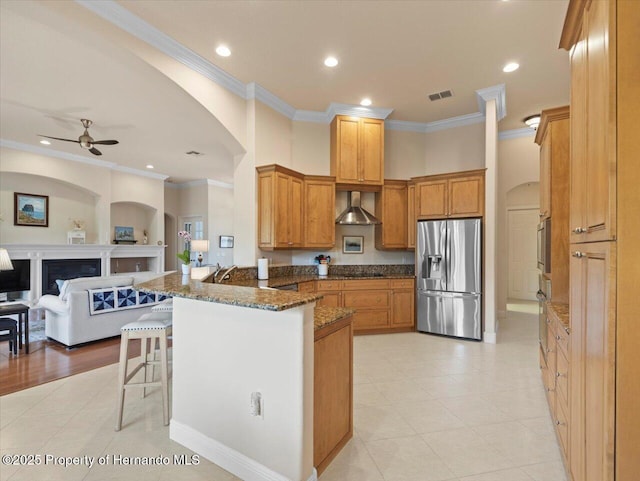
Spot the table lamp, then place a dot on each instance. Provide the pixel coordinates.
(200, 246)
(5, 261)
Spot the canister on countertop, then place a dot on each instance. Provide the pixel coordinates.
(263, 268)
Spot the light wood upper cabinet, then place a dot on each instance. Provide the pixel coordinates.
(357, 152)
(392, 211)
(319, 212)
(455, 195)
(593, 136)
(280, 192)
(411, 215)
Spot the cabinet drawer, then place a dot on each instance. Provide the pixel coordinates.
(562, 426)
(366, 284)
(562, 338)
(329, 299)
(401, 283)
(329, 285)
(366, 299)
(562, 379)
(370, 319)
(308, 286)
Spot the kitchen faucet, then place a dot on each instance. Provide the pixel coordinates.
(226, 276)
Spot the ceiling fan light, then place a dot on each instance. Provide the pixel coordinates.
(532, 121)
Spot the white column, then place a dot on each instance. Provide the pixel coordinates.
(490, 221)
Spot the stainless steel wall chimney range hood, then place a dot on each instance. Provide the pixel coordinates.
(355, 214)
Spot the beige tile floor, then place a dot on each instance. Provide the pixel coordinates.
(425, 408)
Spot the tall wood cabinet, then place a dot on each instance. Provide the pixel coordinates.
(604, 436)
(357, 152)
(553, 138)
(455, 195)
(392, 210)
(411, 215)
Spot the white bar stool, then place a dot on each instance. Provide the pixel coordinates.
(154, 327)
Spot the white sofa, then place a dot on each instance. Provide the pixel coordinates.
(68, 316)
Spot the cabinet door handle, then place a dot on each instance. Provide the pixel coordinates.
(579, 230)
(578, 254)
(559, 423)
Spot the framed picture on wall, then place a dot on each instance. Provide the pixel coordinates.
(352, 244)
(124, 235)
(226, 241)
(30, 210)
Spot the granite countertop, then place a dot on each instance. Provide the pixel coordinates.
(324, 316)
(560, 312)
(276, 282)
(267, 299)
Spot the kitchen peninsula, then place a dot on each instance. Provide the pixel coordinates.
(234, 344)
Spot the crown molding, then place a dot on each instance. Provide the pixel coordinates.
(498, 93)
(428, 127)
(141, 173)
(199, 182)
(258, 92)
(33, 149)
(122, 18)
(219, 183)
(516, 133)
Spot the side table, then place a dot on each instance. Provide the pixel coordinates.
(22, 311)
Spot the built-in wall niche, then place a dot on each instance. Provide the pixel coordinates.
(132, 214)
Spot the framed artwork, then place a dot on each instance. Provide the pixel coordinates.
(226, 241)
(31, 210)
(123, 234)
(352, 244)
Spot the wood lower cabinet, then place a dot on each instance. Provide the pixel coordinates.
(357, 152)
(308, 286)
(382, 305)
(455, 195)
(333, 391)
(319, 209)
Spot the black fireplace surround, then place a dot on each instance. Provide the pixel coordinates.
(63, 269)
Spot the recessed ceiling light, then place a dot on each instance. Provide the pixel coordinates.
(331, 61)
(149, 166)
(45, 142)
(511, 67)
(365, 102)
(223, 51)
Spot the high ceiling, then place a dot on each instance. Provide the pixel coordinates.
(60, 63)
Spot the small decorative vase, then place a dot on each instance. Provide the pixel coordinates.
(185, 279)
(323, 269)
(186, 269)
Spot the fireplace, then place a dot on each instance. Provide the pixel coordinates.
(54, 269)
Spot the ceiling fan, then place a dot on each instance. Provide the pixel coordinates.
(85, 140)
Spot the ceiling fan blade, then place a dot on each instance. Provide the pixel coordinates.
(105, 142)
(95, 151)
(58, 138)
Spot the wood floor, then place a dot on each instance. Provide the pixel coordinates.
(48, 360)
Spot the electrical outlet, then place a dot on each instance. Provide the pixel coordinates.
(255, 404)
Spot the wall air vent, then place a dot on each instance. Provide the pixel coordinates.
(441, 95)
(194, 153)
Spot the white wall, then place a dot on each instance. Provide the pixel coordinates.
(220, 222)
(404, 154)
(453, 150)
(66, 202)
(310, 148)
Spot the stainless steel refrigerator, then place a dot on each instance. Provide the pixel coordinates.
(449, 277)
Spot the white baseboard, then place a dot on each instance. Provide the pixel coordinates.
(490, 337)
(236, 463)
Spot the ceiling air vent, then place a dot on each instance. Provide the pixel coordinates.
(441, 95)
(194, 153)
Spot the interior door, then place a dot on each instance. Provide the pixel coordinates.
(521, 246)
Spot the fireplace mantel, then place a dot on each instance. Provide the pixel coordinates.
(105, 252)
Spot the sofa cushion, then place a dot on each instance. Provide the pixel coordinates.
(85, 283)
